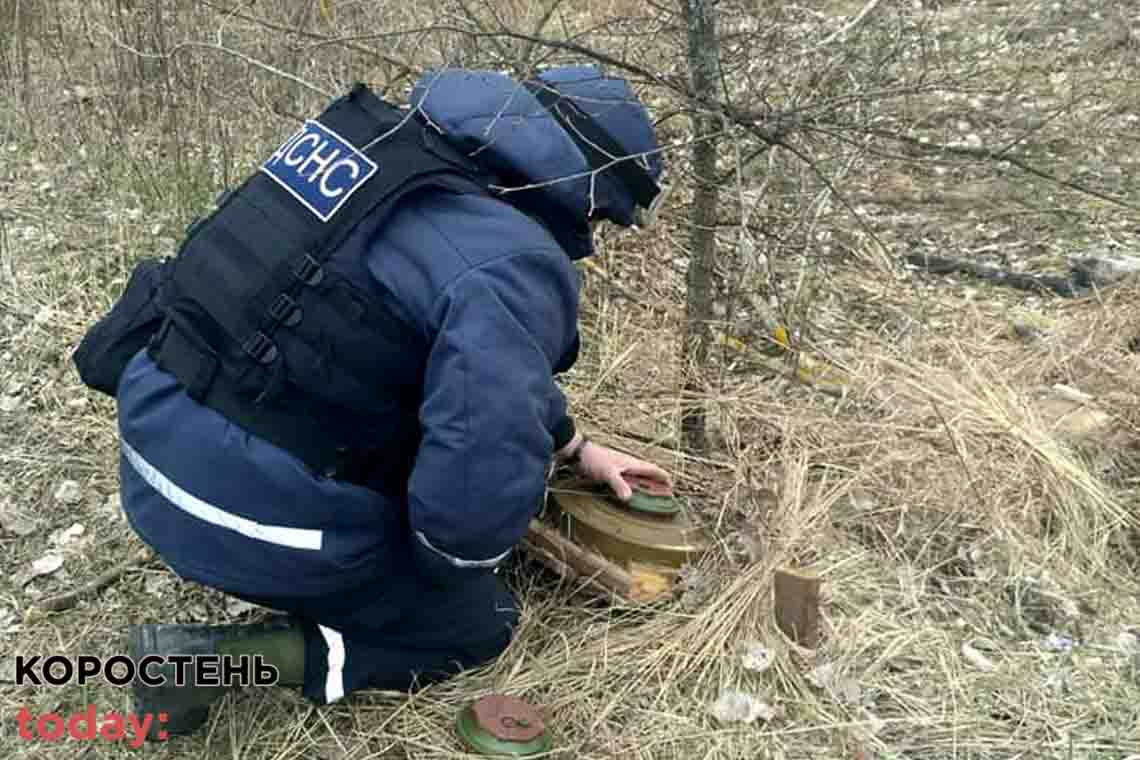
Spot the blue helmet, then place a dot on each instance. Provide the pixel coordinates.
(580, 140)
(611, 127)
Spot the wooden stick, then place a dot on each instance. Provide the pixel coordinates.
(585, 564)
(561, 569)
(797, 607)
(1066, 287)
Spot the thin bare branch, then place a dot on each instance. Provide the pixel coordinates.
(189, 45)
(846, 28)
(405, 68)
(994, 154)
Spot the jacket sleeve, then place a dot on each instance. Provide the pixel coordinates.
(490, 411)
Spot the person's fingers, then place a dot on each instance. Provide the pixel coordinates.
(649, 470)
(606, 465)
(618, 484)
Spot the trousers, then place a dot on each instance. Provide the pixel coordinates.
(411, 634)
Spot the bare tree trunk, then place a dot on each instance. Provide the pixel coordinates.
(704, 63)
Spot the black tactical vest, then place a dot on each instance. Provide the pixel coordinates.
(271, 317)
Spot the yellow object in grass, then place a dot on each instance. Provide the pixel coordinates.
(736, 344)
(780, 335)
(774, 344)
(778, 343)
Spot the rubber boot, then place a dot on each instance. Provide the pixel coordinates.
(187, 707)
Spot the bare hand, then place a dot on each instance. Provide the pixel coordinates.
(605, 465)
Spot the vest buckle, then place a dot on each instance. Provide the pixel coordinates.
(285, 311)
(309, 271)
(260, 347)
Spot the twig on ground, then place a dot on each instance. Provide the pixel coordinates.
(1034, 283)
(69, 599)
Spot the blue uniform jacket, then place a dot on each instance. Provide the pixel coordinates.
(494, 293)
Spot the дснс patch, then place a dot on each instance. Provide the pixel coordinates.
(319, 168)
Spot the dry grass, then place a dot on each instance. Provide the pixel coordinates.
(940, 506)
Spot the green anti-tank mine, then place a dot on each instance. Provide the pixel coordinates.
(654, 528)
(503, 726)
